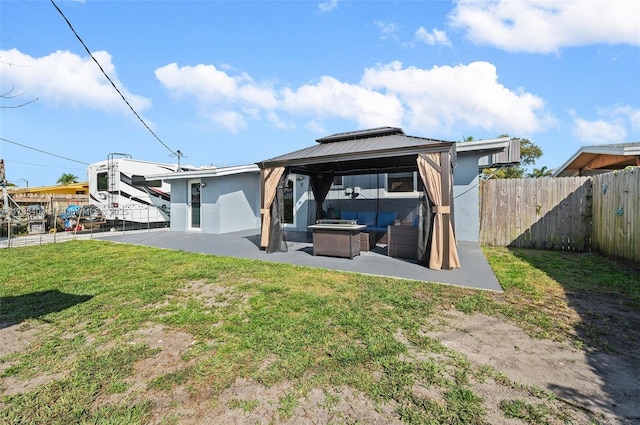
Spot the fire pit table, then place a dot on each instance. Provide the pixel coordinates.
(336, 238)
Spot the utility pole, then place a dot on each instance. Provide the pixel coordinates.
(179, 155)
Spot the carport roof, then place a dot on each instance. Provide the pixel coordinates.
(385, 149)
(597, 159)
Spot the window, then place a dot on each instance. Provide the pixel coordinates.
(400, 182)
(404, 182)
(102, 181)
(337, 181)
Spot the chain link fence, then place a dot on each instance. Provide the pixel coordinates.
(26, 226)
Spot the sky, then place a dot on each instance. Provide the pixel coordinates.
(228, 83)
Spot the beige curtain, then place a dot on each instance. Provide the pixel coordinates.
(270, 178)
(431, 170)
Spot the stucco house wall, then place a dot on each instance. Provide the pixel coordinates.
(231, 203)
(178, 208)
(229, 198)
(466, 197)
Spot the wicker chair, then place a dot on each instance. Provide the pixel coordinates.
(402, 242)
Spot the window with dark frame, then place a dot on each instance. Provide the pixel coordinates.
(400, 182)
(103, 181)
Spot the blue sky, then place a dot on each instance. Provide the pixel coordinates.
(236, 82)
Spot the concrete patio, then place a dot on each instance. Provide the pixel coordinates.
(474, 272)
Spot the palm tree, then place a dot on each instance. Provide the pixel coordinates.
(540, 172)
(67, 178)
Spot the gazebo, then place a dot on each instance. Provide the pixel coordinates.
(379, 150)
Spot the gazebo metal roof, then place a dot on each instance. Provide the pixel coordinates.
(380, 150)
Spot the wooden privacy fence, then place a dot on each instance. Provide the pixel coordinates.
(548, 213)
(600, 213)
(616, 215)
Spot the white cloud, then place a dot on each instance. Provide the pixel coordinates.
(599, 131)
(432, 38)
(332, 98)
(63, 78)
(388, 30)
(211, 85)
(635, 120)
(230, 121)
(544, 26)
(316, 127)
(442, 99)
(437, 101)
(328, 5)
(628, 113)
(279, 123)
(202, 81)
(611, 127)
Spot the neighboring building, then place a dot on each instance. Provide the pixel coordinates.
(214, 200)
(599, 159)
(51, 198)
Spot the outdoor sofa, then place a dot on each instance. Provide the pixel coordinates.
(376, 223)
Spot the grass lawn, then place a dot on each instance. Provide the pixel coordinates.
(85, 306)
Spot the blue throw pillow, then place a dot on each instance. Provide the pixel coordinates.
(368, 218)
(349, 215)
(387, 219)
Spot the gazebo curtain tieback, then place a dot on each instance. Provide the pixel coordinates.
(441, 209)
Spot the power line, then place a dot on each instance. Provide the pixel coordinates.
(12, 161)
(44, 152)
(110, 80)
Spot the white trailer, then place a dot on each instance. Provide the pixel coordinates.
(120, 188)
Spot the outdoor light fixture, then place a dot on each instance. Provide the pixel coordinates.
(352, 192)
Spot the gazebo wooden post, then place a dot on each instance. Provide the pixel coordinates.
(264, 233)
(445, 171)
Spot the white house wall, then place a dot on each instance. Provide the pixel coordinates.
(228, 203)
(231, 203)
(179, 208)
(466, 197)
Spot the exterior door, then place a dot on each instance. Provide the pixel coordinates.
(289, 202)
(194, 213)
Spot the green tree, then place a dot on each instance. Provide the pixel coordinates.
(67, 178)
(540, 172)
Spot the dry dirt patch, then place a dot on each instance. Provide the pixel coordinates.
(170, 345)
(14, 339)
(213, 296)
(603, 383)
(337, 405)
